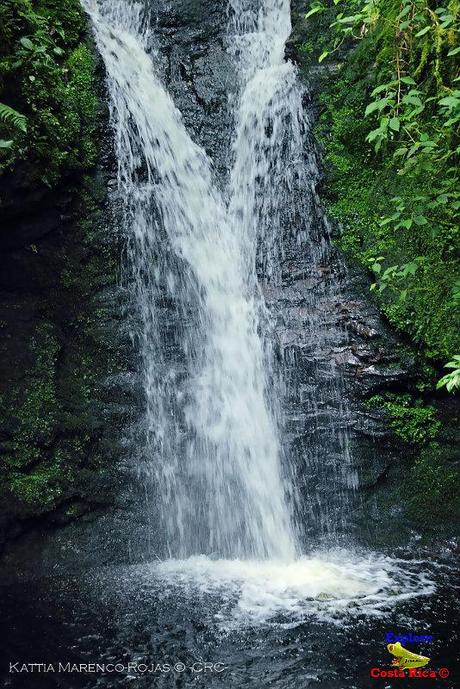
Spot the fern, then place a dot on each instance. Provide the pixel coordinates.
(13, 117)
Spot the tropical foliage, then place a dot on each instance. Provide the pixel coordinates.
(390, 128)
(47, 98)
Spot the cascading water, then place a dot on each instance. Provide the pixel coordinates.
(213, 442)
(200, 259)
(273, 182)
(235, 295)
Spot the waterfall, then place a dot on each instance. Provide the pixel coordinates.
(202, 255)
(273, 190)
(268, 128)
(213, 444)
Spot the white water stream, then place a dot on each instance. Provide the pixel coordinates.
(222, 486)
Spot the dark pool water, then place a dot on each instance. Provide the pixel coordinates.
(222, 624)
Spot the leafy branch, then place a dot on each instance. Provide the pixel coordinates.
(451, 381)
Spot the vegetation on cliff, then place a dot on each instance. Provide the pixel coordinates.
(388, 92)
(54, 351)
(48, 103)
(389, 126)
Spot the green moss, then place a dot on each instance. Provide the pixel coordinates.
(35, 407)
(410, 419)
(47, 74)
(433, 487)
(40, 489)
(33, 412)
(51, 435)
(54, 445)
(413, 424)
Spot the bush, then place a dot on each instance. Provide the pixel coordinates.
(47, 79)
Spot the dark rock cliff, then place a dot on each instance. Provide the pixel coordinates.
(404, 436)
(63, 347)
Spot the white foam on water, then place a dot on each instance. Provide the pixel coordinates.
(328, 587)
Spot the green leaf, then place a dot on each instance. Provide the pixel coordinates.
(323, 56)
(449, 102)
(395, 124)
(13, 117)
(374, 134)
(420, 220)
(26, 43)
(377, 105)
(351, 19)
(452, 364)
(382, 87)
(408, 80)
(386, 221)
(412, 100)
(452, 380)
(405, 11)
(446, 20)
(453, 51)
(422, 32)
(389, 272)
(410, 268)
(315, 10)
(371, 108)
(6, 144)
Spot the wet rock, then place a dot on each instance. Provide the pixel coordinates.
(364, 330)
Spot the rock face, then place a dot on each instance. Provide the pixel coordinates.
(337, 353)
(395, 467)
(197, 70)
(61, 336)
